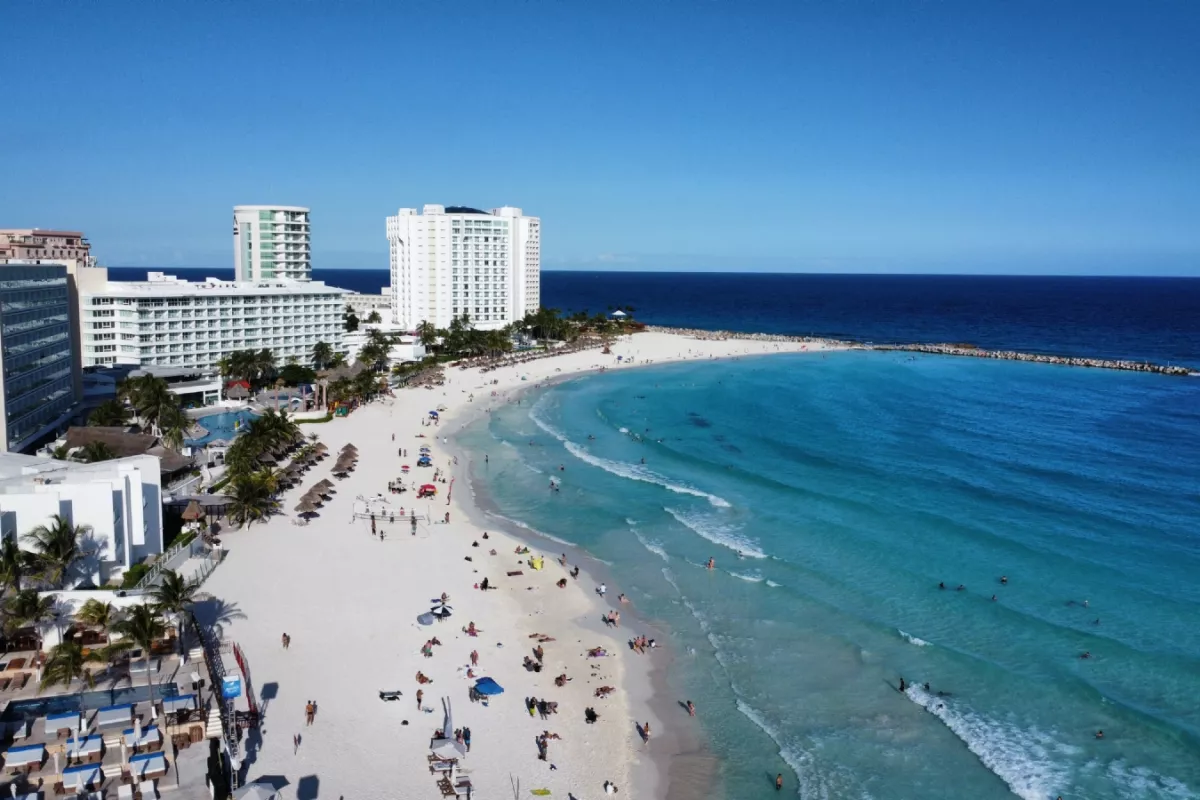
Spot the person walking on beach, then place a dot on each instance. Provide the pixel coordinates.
(474, 658)
(286, 640)
(466, 737)
(296, 744)
(691, 709)
(420, 697)
(309, 712)
(779, 782)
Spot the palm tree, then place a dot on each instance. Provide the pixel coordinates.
(97, 614)
(264, 365)
(24, 609)
(92, 452)
(322, 354)
(67, 662)
(174, 596)
(56, 548)
(373, 318)
(61, 453)
(337, 360)
(173, 427)
(142, 628)
(14, 564)
(252, 497)
(110, 413)
(149, 396)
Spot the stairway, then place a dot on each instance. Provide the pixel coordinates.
(212, 727)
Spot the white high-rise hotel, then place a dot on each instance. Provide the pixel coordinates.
(447, 262)
(271, 242)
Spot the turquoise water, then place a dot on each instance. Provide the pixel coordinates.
(853, 484)
(222, 426)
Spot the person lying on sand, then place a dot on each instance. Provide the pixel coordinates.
(422, 678)
(604, 691)
(590, 716)
(471, 630)
(597, 652)
(561, 680)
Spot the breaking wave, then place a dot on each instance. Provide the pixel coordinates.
(912, 639)
(717, 533)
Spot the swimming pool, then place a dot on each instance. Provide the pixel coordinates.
(18, 710)
(225, 425)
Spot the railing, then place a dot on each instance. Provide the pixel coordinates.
(216, 671)
(151, 577)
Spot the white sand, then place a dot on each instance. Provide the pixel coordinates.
(350, 602)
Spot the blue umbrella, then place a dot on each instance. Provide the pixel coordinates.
(488, 686)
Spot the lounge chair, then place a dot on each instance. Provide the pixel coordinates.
(147, 791)
(4, 682)
(125, 792)
(20, 681)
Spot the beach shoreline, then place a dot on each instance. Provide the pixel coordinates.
(349, 601)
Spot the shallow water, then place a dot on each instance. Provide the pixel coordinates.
(852, 484)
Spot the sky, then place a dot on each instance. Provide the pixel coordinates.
(962, 136)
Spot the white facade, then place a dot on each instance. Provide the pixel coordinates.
(169, 322)
(271, 242)
(120, 500)
(405, 348)
(364, 304)
(446, 264)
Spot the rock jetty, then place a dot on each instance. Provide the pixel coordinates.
(942, 350)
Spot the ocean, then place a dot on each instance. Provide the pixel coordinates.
(837, 493)
(1156, 319)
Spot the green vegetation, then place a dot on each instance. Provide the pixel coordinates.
(133, 576)
(157, 407)
(349, 319)
(56, 548)
(296, 374)
(110, 413)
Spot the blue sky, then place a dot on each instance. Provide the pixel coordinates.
(1050, 136)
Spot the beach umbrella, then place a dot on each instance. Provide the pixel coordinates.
(305, 506)
(193, 511)
(321, 447)
(349, 447)
(448, 748)
(441, 612)
(488, 686)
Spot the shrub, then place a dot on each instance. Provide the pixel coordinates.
(134, 575)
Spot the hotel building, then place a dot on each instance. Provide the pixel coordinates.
(169, 322)
(120, 500)
(271, 242)
(450, 261)
(38, 387)
(34, 246)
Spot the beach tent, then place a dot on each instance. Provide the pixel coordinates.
(433, 414)
(619, 314)
(425, 619)
(488, 686)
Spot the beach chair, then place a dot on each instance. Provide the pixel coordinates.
(446, 788)
(125, 792)
(20, 681)
(4, 682)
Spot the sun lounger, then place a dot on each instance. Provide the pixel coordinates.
(4, 682)
(124, 793)
(19, 682)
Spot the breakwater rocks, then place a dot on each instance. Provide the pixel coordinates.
(942, 350)
(1012, 355)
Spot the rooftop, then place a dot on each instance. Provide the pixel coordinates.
(271, 208)
(162, 285)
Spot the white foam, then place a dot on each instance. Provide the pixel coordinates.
(809, 787)
(532, 468)
(530, 528)
(1142, 782)
(913, 639)
(653, 547)
(773, 584)
(755, 578)
(716, 532)
(634, 472)
(1022, 758)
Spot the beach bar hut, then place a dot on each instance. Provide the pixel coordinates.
(25, 757)
(193, 511)
(182, 702)
(148, 765)
(114, 716)
(84, 776)
(67, 721)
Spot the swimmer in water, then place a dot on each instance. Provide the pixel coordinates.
(1086, 654)
(712, 562)
(941, 586)
(1004, 579)
(903, 686)
(961, 588)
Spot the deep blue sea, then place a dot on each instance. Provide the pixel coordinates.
(852, 485)
(1153, 319)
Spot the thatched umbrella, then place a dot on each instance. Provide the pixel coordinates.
(346, 461)
(326, 483)
(319, 489)
(313, 497)
(349, 447)
(193, 511)
(237, 392)
(321, 447)
(305, 506)
(266, 458)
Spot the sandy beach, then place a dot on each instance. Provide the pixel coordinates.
(350, 601)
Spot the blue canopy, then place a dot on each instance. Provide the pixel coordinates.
(488, 686)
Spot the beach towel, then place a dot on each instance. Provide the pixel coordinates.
(540, 792)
